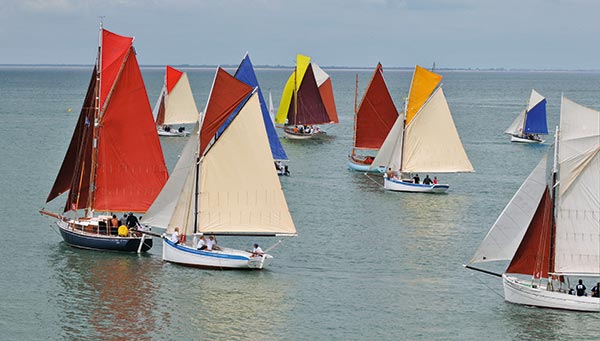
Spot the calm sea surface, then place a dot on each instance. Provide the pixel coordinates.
(366, 264)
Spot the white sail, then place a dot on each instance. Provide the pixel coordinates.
(174, 205)
(578, 206)
(431, 142)
(534, 99)
(506, 234)
(320, 75)
(516, 128)
(180, 106)
(240, 191)
(271, 108)
(390, 153)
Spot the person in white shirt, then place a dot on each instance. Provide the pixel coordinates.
(202, 243)
(257, 251)
(175, 236)
(211, 244)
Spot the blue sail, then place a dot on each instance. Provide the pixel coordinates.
(536, 119)
(245, 73)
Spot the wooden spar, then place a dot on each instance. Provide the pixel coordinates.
(355, 113)
(484, 271)
(355, 93)
(553, 201)
(53, 215)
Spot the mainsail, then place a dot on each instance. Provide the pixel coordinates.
(176, 103)
(245, 73)
(376, 114)
(124, 170)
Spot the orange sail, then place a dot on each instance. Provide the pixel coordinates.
(423, 84)
(225, 97)
(375, 115)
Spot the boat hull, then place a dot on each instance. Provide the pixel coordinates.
(519, 292)
(401, 186)
(91, 241)
(518, 139)
(173, 133)
(226, 259)
(363, 167)
(289, 133)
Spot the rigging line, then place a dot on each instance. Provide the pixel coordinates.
(487, 286)
(369, 177)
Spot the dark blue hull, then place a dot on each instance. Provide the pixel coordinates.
(104, 243)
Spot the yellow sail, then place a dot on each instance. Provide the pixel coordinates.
(423, 84)
(292, 85)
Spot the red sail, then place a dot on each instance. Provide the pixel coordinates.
(77, 161)
(376, 114)
(130, 169)
(310, 107)
(172, 78)
(533, 255)
(226, 94)
(326, 91)
(160, 116)
(114, 49)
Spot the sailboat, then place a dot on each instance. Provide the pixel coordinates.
(373, 121)
(175, 104)
(307, 101)
(531, 122)
(550, 231)
(114, 162)
(423, 140)
(224, 184)
(245, 73)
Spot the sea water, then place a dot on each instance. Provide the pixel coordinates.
(366, 264)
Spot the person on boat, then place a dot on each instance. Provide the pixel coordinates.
(390, 174)
(296, 129)
(123, 220)
(427, 180)
(132, 221)
(167, 128)
(202, 243)
(211, 244)
(435, 181)
(416, 179)
(307, 129)
(596, 290)
(257, 251)
(175, 236)
(580, 288)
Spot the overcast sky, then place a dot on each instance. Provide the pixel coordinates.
(538, 34)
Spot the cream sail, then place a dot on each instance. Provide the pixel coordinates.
(175, 104)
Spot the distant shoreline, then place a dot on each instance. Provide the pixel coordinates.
(286, 67)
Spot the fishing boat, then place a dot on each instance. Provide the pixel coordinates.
(223, 184)
(531, 122)
(114, 162)
(307, 101)
(175, 104)
(373, 120)
(245, 73)
(550, 229)
(423, 140)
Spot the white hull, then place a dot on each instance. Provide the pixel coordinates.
(520, 292)
(224, 259)
(173, 133)
(401, 186)
(288, 132)
(518, 139)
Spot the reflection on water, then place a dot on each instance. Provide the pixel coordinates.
(531, 323)
(105, 295)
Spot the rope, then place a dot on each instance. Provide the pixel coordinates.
(487, 286)
(370, 178)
